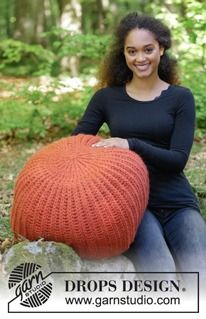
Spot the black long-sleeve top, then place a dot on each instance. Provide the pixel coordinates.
(161, 131)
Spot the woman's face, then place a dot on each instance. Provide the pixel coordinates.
(142, 53)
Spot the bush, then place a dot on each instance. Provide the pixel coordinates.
(32, 114)
(21, 59)
(196, 81)
(88, 49)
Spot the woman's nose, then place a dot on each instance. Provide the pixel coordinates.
(140, 57)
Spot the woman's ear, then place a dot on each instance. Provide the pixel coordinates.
(162, 50)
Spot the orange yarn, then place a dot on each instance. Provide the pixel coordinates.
(92, 199)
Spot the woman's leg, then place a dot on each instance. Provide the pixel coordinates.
(185, 233)
(149, 251)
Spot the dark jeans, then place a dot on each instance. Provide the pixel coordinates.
(170, 241)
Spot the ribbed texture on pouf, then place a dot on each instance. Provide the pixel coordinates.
(90, 198)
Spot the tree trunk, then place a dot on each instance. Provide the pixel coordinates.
(93, 17)
(29, 20)
(70, 16)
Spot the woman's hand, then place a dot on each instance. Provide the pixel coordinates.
(112, 142)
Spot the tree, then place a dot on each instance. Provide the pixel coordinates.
(33, 18)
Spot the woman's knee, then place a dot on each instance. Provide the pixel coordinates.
(149, 251)
(186, 237)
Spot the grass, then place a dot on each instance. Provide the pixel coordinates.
(12, 159)
(5, 227)
(196, 174)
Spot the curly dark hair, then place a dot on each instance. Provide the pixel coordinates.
(114, 70)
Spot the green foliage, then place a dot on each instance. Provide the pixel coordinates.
(194, 78)
(5, 227)
(21, 59)
(12, 116)
(187, 20)
(196, 174)
(191, 40)
(32, 114)
(80, 45)
(85, 49)
(89, 49)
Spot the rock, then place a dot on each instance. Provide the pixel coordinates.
(115, 264)
(51, 256)
(118, 265)
(2, 279)
(58, 257)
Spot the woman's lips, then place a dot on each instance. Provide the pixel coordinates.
(142, 67)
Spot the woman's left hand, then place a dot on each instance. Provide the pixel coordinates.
(112, 142)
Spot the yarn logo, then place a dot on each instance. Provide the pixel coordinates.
(30, 285)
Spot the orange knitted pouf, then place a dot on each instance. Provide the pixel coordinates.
(92, 199)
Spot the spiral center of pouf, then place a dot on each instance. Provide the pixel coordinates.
(92, 199)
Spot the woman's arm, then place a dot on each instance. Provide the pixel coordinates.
(175, 158)
(93, 117)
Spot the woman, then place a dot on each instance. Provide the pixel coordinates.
(149, 113)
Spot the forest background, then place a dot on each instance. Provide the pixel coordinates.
(50, 51)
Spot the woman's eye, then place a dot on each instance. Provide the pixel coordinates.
(148, 50)
(131, 52)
